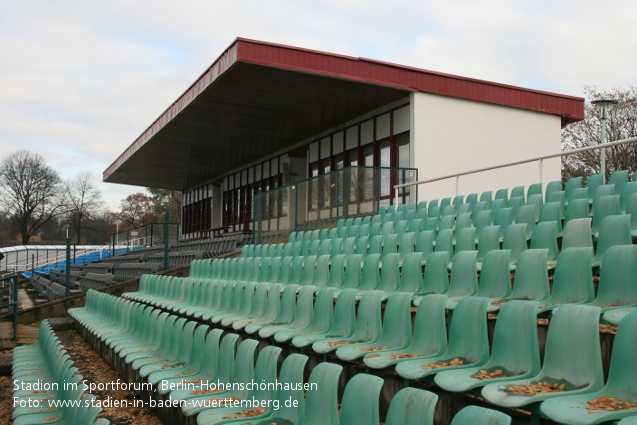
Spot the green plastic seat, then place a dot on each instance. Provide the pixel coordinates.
(622, 384)
(447, 210)
(406, 245)
(495, 279)
(552, 187)
(302, 317)
(515, 241)
(577, 234)
(360, 402)
(515, 203)
(600, 191)
(447, 222)
(479, 207)
(602, 208)
(431, 223)
(425, 243)
(321, 404)
(416, 225)
(433, 211)
(363, 230)
(411, 278)
(349, 246)
(572, 357)
(367, 329)
(322, 316)
(526, 215)
(592, 183)
(444, 241)
(351, 275)
(336, 246)
(375, 229)
(429, 335)
(616, 315)
(481, 220)
(627, 191)
(270, 309)
(342, 325)
(411, 406)
(367, 219)
(400, 227)
(545, 237)
(558, 196)
(292, 393)
(436, 276)
(572, 184)
(531, 281)
(486, 196)
(632, 420)
(515, 351)
(503, 218)
(285, 314)
(396, 331)
(576, 209)
(245, 371)
(502, 194)
(472, 198)
(376, 244)
(572, 281)
(517, 191)
(618, 178)
(463, 209)
(631, 209)
(552, 211)
(488, 240)
(468, 343)
(618, 274)
(464, 278)
(476, 415)
(614, 230)
(390, 244)
(465, 240)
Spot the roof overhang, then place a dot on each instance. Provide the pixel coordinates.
(258, 98)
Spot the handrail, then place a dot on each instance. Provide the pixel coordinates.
(510, 164)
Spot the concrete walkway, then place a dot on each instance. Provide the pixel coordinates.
(25, 301)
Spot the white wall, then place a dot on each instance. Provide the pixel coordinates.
(450, 135)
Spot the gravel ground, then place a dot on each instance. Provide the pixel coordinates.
(94, 369)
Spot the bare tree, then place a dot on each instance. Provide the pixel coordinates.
(84, 202)
(31, 192)
(621, 123)
(135, 211)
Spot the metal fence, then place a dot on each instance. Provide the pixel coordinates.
(399, 188)
(148, 236)
(28, 257)
(322, 200)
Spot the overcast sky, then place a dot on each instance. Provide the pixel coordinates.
(80, 81)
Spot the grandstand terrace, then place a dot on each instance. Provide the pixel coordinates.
(493, 303)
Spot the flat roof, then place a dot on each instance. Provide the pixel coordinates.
(260, 97)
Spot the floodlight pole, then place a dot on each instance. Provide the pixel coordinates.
(603, 105)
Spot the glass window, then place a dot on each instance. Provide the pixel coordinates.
(369, 156)
(403, 151)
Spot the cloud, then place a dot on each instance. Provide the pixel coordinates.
(80, 81)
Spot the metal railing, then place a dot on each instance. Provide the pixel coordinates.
(321, 200)
(29, 257)
(539, 159)
(148, 236)
(13, 303)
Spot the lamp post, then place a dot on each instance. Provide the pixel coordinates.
(68, 263)
(603, 105)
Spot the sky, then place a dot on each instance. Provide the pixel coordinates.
(80, 81)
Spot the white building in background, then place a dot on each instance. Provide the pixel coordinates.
(265, 115)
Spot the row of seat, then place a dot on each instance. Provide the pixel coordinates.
(95, 281)
(44, 373)
(144, 339)
(274, 310)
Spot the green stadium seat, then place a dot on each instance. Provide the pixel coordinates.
(411, 406)
(621, 384)
(572, 357)
(515, 352)
(396, 331)
(367, 328)
(618, 274)
(614, 230)
(468, 343)
(476, 415)
(429, 335)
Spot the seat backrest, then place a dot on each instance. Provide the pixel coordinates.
(352, 273)
(622, 376)
(552, 187)
(321, 404)
(531, 281)
(425, 242)
(468, 333)
(465, 240)
(436, 278)
(411, 406)
(517, 191)
(628, 190)
(573, 278)
(534, 189)
(602, 208)
(345, 313)
(577, 208)
(572, 350)
(359, 405)
(614, 230)
(552, 211)
(291, 397)
(571, 185)
(464, 275)
(430, 326)
(444, 241)
(495, 278)
(515, 240)
(515, 339)
(593, 182)
(502, 194)
(503, 218)
(368, 317)
(577, 233)
(545, 237)
(476, 415)
(603, 190)
(617, 278)
(390, 273)
(411, 279)
(370, 278)
(337, 271)
(472, 198)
